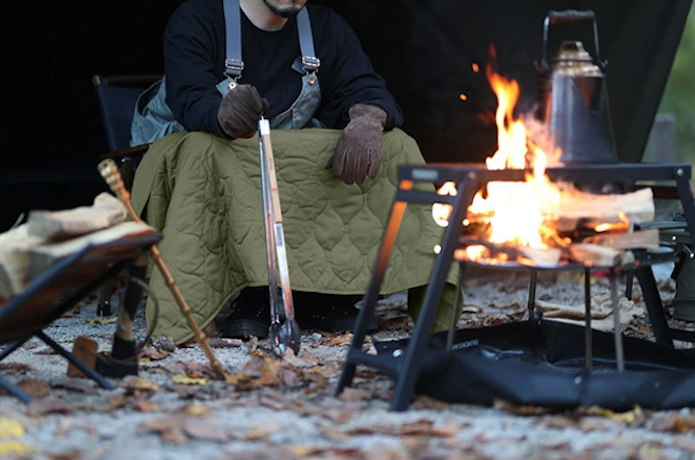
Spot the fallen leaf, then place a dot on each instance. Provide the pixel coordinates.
(48, 406)
(420, 428)
(69, 455)
(133, 383)
(196, 370)
(519, 410)
(260, 370)
(101, 321)
(333, 433)
(186, 380)
(350, 394)
(675, 423)
(145, 405)
(289, 377)
(205, 430)
(81, 385)
(70, 424)
(424, 428)
(169, 428)
(429, 403)
(153, 354)
(10, 428)
(556, 421)
(351, 453)
(196, 410)
(34, 388)
(274, 402)
(116, 402)
(46, 351)
(14, 447)
(338, 417)
(316, 382)
(165, 343)
(305, 451)
(15, 368)
(225, 343)
(256, 434)
(632, 416)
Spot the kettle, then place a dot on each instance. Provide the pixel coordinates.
(573, 101)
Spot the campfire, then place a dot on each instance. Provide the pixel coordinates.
(538, 222)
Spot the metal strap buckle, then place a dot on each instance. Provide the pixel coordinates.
(234, 67)
(311, 63)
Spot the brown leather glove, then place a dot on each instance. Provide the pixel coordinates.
(240, 110)
(358, 153)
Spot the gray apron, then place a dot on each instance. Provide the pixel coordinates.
(153, 118)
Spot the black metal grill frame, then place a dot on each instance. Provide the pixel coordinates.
(469, 178)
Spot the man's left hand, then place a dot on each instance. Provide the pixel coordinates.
(358, 153)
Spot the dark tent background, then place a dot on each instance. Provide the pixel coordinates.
(52, 135)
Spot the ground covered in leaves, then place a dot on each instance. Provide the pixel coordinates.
(176, 409)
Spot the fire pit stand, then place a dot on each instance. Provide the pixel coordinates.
(404, 366)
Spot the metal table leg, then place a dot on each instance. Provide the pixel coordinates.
(617, 333)
(588, 333)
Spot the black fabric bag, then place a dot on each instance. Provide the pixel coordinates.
(542, 364)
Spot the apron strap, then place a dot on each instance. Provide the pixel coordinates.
(308, 63)
(232, 18)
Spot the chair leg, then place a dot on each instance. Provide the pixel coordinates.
(104, 305)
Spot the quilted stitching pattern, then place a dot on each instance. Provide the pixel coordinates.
(203, 194)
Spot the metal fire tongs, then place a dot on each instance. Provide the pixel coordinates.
(284, 330)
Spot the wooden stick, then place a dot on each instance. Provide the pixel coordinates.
(110, 173)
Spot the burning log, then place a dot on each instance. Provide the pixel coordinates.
(643, 239)
(542, 257)
(591, 209)
(576, 209)
(593, 255)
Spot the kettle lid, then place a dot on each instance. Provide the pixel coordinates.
(573, 57)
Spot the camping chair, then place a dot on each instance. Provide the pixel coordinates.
(116, 96)
(56, 291)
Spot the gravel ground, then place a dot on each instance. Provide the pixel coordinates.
(175, 409)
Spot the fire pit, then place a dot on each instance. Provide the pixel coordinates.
(470, 179)
(543, 201)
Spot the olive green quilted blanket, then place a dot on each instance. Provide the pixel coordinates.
(203, 194)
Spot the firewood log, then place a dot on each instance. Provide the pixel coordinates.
(593, 255)
(14, 259)
(635, 207)
(643, 239)
(106, 211)
(43, 256)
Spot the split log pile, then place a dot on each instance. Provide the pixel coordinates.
(27, 250)
(591, 229)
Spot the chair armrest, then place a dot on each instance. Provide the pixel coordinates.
(127, 153)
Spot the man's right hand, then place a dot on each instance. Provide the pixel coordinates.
(240, 110)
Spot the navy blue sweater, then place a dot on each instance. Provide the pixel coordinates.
(194, 54)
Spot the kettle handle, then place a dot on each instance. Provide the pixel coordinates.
(569, 17)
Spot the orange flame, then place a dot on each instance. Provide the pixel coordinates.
(515, 207)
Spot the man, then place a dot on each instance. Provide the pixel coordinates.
(300, 67)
